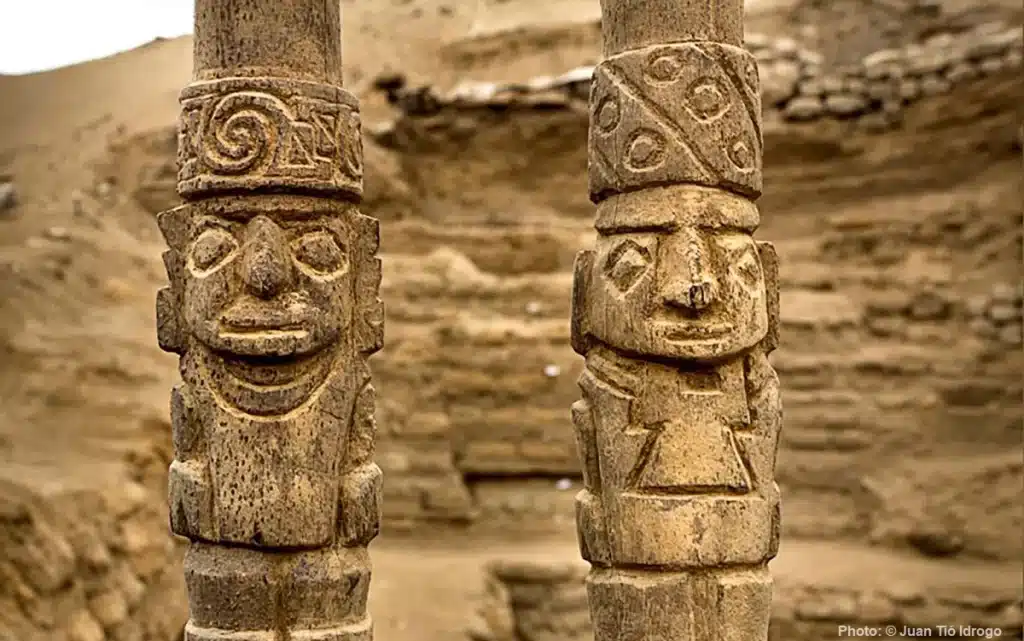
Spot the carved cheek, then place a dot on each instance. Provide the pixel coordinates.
(333, 298)
(746, 278)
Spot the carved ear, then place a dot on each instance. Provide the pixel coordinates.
(173, 224)
(174, 265)
(363, 429)
(579, 336)
(770, 265)
(168, 322)
(369, 318)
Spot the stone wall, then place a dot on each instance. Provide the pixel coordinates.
(796, 84)
(902, 387)
(901, 394)
(547, 601)
(80, 565)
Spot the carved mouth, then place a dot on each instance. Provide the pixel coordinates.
(271, 371)
(254, 320)
(254, 332)
(274, 343)
(694, 332)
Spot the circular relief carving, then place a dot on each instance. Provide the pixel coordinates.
(741, 154)
(243, 132)
(608, 114)
(664, 66)
(707, 99)
(645, 150)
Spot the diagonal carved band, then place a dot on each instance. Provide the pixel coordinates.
(676, 113)
(247, 134)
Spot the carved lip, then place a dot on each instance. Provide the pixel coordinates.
(251, 333)
(694, 331)
(289, 314)
(261, 371)
(276, 329)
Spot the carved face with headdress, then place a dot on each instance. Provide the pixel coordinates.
(267, 294)
(675, 274)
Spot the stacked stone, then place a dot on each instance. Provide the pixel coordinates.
(539, 92)
(885, 81)
(997, 315)
(533, 601)
(810, 613)
(797, 85)
(87, 566)
(783, 65)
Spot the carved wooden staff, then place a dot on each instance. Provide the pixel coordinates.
(273, 307)
(675, 310)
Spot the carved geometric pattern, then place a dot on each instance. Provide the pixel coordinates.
(677, 452)
(681, 429)
(679, 113)
(257, 133)
(627, 263)
(667, 457)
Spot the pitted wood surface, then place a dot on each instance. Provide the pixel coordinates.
(273, 307)
(675, 309)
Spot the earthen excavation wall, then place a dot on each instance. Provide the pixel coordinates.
(902, 317)
(902, 320)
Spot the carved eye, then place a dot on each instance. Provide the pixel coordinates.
(626, 264)
(212, 248)
(320, 252)
(748, 266)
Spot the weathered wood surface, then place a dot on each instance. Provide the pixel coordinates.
(273, 306)
(675, 309)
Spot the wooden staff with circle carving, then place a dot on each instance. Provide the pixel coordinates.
(675, 309)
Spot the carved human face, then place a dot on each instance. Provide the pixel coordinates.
(675, 277)
(268, 296)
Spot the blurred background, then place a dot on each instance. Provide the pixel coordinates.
(892, 191)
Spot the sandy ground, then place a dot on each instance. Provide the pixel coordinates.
(409, 588)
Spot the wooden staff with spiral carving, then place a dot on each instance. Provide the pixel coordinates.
(273, 307)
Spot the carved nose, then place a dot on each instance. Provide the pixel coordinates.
(266, 268)
(687, 282)
(690, 295)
